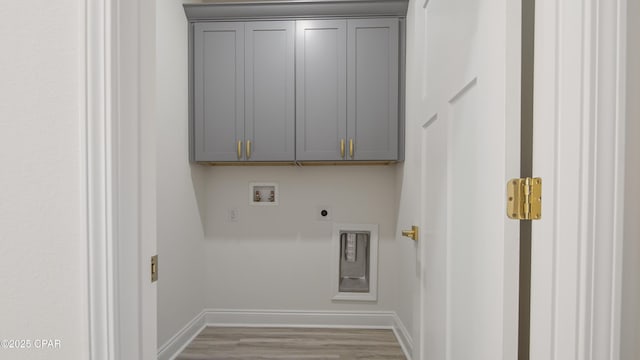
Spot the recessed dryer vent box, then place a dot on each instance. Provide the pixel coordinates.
(355, 265)
(263, 194)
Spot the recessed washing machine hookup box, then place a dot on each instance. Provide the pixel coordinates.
(355, 265)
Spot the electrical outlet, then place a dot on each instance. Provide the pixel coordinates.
(233, 215)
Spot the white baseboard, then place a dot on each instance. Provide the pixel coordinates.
(179, 341)
(288, 318)
(403, 336)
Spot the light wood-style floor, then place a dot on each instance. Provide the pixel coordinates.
(217, 343)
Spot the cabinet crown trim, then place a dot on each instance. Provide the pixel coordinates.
(221, 10)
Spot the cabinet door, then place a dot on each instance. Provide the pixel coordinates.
(269, 95)
(372, 91)
(320, 89)
(219, 90)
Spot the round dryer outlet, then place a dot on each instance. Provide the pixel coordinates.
(323, 213)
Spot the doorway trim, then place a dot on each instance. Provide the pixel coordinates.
(579, 114)
(120, 177)
(98, 144)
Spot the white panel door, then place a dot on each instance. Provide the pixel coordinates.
(470, 148)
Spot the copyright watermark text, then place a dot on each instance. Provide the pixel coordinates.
(30, 344)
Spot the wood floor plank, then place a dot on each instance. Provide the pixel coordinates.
(253, 343)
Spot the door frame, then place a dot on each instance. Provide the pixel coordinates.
(119, 151)
(99, 193)
(119, 168)
(579, 151)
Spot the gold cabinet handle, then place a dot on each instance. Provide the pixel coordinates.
(351, 148)
(239, 149)
(342, 148)
(248, 149)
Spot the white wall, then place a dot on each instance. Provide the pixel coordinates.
(630, 335)
(42, 230)
(279, 257)
(181, 284)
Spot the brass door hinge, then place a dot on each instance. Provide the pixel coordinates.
(154, 268)
(524, 199)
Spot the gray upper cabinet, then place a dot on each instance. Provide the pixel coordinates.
(219, 90)
(372, 89)
(347, 89)
(296, 81)
(244, 91)
(321, 85)
(269, 95)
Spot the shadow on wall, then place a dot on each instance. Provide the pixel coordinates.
(396, 206)
(199, 181)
